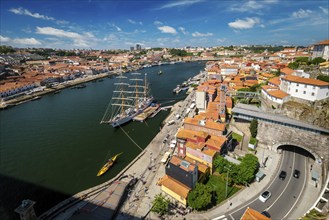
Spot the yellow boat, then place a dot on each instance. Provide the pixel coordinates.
(109, 164)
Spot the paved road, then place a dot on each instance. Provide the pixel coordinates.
(285, 193)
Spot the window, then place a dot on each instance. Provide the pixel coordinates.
(296, 90)
(313, 87)
(304, 92)
(312, 93)
(297, 84)
(305, 86)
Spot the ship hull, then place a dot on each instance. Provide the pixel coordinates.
(124, 120)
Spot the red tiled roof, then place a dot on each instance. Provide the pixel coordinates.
(175, 186)
(308, 81)
(276, 81)
(251, 214)
(287, 71)
(324, 42)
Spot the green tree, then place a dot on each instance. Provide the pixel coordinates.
(293, 65)
(247, 170)
(160, 205)
(323, 78)
(317, 60)
(200, 197)
(221, 164)
(253, 128)
(6, 49)
(178, 52)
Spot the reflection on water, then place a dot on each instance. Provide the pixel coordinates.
(56, 143)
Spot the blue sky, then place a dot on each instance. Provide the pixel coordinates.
(120, 24)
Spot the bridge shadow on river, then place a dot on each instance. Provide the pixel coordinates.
(14, 191)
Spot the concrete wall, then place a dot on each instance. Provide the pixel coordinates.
(272, 136)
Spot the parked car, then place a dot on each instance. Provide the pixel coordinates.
(296, 173)
(265, 213)
(283, 175)
(265, 196)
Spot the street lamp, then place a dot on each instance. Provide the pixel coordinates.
(227, 180)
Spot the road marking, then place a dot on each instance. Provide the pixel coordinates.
(293, 165)
(299, 193)
(257, 197)
(222, 217)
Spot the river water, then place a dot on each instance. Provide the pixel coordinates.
(53, 147)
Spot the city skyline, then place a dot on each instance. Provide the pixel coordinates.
(123, 24)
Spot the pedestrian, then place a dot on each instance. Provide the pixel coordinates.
(311, 166)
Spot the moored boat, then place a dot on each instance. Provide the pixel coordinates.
(108, 164)
(129, 100)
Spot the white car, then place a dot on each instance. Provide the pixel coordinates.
(265, 196)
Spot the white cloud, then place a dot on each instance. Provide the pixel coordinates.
(180, 3)
(117, 27)
(251, 6)
(198, 34)
(221, 40)
(301, 13)
(57, 32)
(135, 22)
(324, 10)
(20, 41)
(247, 23)
(80, 40)
(157, 23)
(4, 39)
(22, 11)
(183, 30)
(26, 41)
(167, 30)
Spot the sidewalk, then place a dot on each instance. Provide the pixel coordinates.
(241, 197)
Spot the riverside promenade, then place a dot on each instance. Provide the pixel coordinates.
(26, 98)
(144, 168)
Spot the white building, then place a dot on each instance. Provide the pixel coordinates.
(303, 88)
(200, 100)
(321, 49)
(274, 94)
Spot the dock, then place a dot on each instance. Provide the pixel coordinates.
(146, 113)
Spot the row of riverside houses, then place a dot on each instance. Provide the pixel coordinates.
(38, 73)
(199, 140)
(204, 136)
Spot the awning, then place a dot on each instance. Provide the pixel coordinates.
(315, 175)
(259, 176)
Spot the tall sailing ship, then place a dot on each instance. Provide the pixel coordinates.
(130, 98)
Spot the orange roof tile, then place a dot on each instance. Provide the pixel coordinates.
(287, 71)
(216, 141)
(185, 133)
(201, 167)
(175, 186)
(308, 81)
(251, 214)
(276, 81)
(277, 93)
(209, 152)
(177, 161)
(198, 146)
(324, 42)
(267, 87)
(209, 124)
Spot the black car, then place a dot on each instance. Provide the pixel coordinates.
(283, 175)
(265, 213)
(296, 173)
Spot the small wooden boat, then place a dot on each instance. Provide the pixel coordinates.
(108, 164)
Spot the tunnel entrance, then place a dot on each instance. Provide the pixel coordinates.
(297, 149)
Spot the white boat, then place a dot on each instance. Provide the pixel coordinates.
(130, 98)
